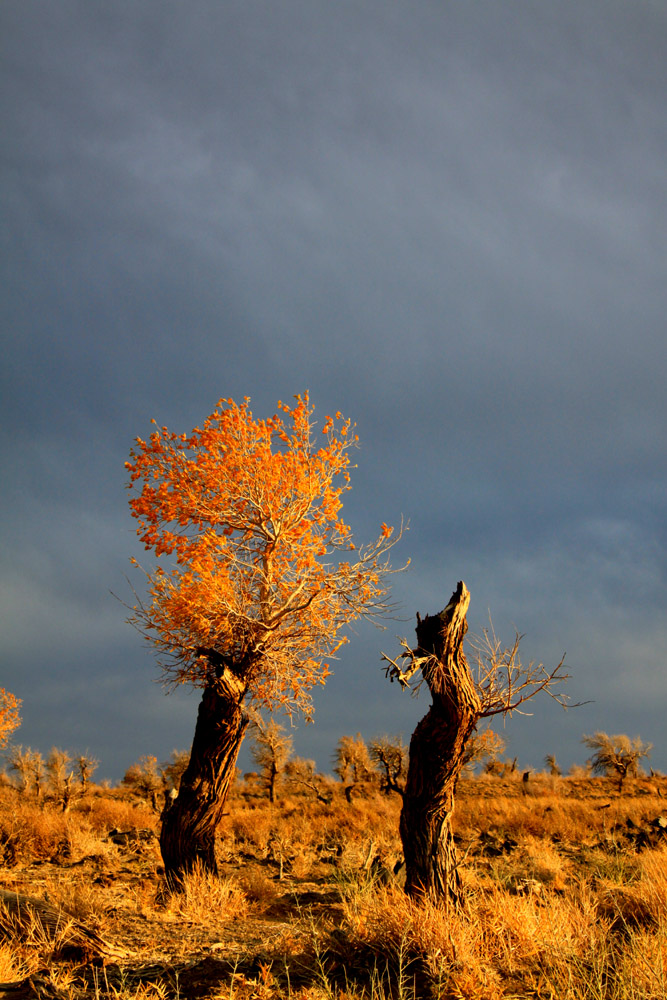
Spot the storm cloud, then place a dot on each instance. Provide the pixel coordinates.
(447, 220)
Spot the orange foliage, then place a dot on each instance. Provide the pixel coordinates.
(9, 715)
(248, 511)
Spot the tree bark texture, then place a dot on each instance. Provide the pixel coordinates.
(187, 838)
(436, 754)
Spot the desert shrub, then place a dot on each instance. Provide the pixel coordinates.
(302, 778)
(484, 747)
(28, 833)
(108, 812)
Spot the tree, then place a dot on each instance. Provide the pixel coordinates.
(501, 685)
(272, 748)
(483, 748)
(302, 773)
(10, 718)
(618, 755)
(86, 766)
(29, 765)
(352, 763)
(60, 776)
(57, 768)
(144, 778)
(554, 768)
(389, 755)
(262, 580)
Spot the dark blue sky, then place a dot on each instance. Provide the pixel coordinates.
(447, 220)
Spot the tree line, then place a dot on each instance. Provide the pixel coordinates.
(362, 767)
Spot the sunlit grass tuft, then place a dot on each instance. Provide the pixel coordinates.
(204, 898)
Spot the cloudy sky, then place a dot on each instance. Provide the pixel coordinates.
(446, 219)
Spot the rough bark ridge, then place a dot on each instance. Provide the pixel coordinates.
(436, 754)
(188, 830)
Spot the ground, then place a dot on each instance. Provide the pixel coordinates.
(566, 887)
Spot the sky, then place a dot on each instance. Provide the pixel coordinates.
(448, 220)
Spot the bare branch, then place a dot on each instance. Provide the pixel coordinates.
(505, 683)
(404, 675)
(502, 681)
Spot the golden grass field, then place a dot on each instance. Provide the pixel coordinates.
(566, 899)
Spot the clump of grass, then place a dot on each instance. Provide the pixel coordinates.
(12, 968)
(32, 940)
(508, 941)
(205, 897)
(83, 900)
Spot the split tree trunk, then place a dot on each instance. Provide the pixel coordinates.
(436, 755)
(187, 838)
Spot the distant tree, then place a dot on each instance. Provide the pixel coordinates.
(262, 582)
(500, 768)
(554, 769)
(172, 770)
(459, 700)
(389, 755)
(86, 767)
(271, 750)
(10, 718)
(29, 765)
(144, 778)
(482, 747)
(57, 771)
(352, 763)
(616, 755)
(302, 774)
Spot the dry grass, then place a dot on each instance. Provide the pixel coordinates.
(205, 898)
(564, 900)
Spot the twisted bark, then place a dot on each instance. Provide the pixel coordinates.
(189, 823)
(436, 754)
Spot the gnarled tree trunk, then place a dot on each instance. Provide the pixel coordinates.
(436, 754)
(189, 823)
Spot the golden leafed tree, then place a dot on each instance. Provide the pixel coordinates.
(10, 718)
(255, 582)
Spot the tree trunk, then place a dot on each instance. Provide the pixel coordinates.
(436, 755)
(273, 774)
(187, 838)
